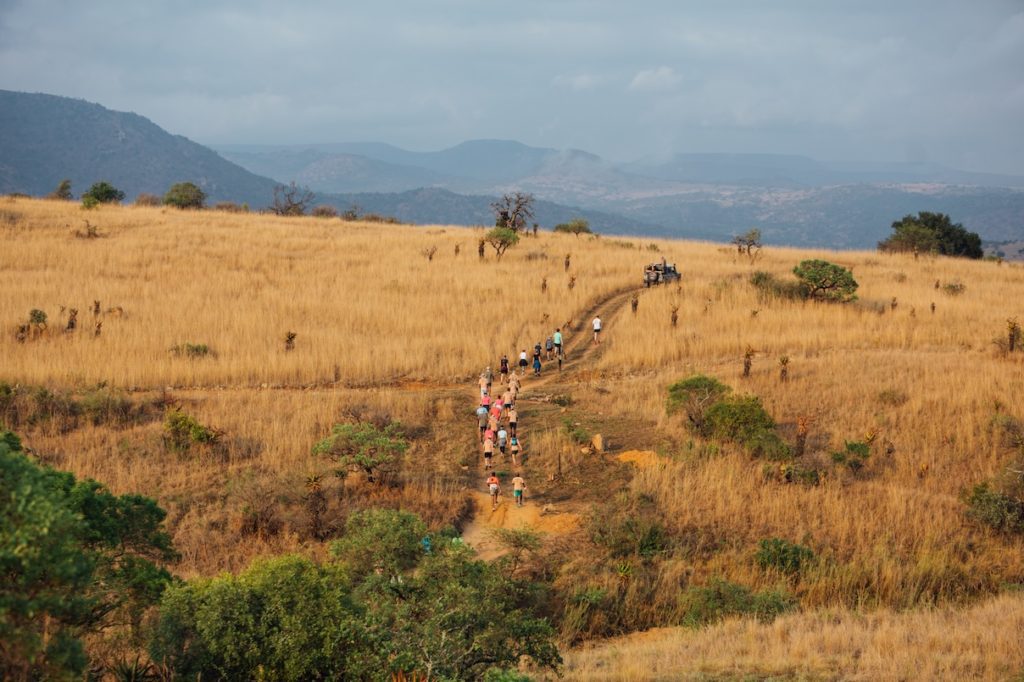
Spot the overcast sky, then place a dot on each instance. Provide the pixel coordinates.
(891, 80)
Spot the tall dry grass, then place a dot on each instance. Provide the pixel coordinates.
(982, 642)
(366, 305)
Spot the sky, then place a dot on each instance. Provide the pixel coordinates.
(870, 81)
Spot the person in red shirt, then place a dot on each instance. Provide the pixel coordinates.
(494, 487)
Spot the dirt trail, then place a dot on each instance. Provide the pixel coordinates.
(477, 532)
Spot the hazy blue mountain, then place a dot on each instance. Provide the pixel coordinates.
(44, 139)
(324, 171)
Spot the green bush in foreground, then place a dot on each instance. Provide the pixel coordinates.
(1001, 512)
(441, 614)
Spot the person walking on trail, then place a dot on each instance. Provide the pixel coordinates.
(502, 441)
(488, 452)
(489, 375)
(513, 419)
(536, 365)
(537, 351)
(483, 386)
(518, 486)
(557, 340)
(522, 362)
(514, 449)
(597, 329)
(494, 488)
(503, 368)
(481, 416)
(549, 348)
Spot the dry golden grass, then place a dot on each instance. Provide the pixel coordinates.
(982, 642)
(381, 328)
(366, 305)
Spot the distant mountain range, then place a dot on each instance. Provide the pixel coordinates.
(792, 199)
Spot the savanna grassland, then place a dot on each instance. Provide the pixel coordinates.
(897, 580)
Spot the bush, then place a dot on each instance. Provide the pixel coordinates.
(826, 281)
(191, 350)
(695, 395)
(62, 191)
(185, 195)
(1001, 512)
(381, 540)
(954, 288)
(182, 432)
(576, 226)
(854, 455)
(147, 199)
(231, 207)
(740, 419)
(324, 211)
(782, 555)
(720, 599)
(103, 193)
(769, 286)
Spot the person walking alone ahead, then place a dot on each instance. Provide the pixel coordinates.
(522, 361)
(597, 329)
(503, 368)
(557, 339)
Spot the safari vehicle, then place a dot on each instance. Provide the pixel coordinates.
(661, 273)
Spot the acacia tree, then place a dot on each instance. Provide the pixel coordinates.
(748, 243)
(826, 281)
(365, 447)
(576, 226)
(513, 210)
(501, 238)
(291, 199)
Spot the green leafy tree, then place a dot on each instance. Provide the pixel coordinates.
(62, 192)
(501, 238)
(576, 226)
(694, 395)
(826, 281)
(103, 193)
(185, 195)
(381, 540)
(75, 558)
(932, 233)
(365, 447)
(285, 618)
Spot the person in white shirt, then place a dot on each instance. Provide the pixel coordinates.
(597, 330)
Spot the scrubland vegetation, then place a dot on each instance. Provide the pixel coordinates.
(829, 489)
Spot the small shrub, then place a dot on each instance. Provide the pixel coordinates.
(324, 211)
(854, 455)
(147, 199)
(782, 555)
(768, 445)
(720, 599)
(191, 350)
(562, 400)
(90, 202)
(104, 193)
(892, 397)
(185, 195)
(792, 473)
(365, 447)
(995, 509)
(954, 288)
(575, 431)
(182, 432)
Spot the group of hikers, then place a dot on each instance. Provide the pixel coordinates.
(497, 416)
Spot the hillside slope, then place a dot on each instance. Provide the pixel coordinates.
(44, 139)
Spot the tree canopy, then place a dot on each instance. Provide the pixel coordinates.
(501, 238)
(74, 558)
(826, 281)
(513, 210)
(437, 613)
(932, 233)
(103, 193)
(185, 195)
(576, 226)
